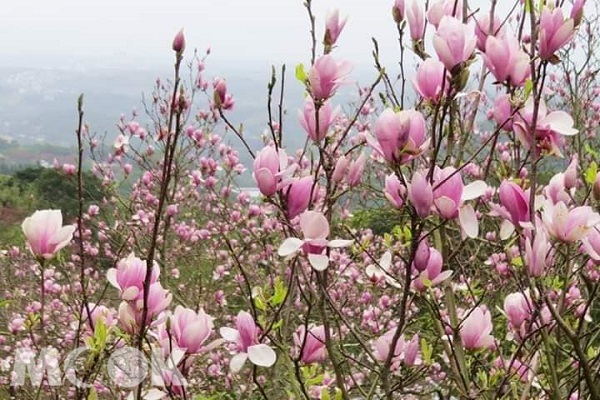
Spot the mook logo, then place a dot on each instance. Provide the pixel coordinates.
(126, 368)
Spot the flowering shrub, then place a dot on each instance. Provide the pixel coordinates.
(481, 282)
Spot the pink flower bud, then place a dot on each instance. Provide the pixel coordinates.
(505, 59)
(394, 191)
(341, 167)
(333, 28)
(298, 195)
(555, 31)
(482, 29)
(325, 76)
(355, 170)
(431, 76)
(476, 329)
(416, 20)
(398, 11)
(420, 195)
(308, 115)
(310, 344)
(454, 42)
(179, 42)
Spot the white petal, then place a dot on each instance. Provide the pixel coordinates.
(262, 355)
(474, 190)
(111, 277)
(468, 221)
(154, 394)
(386, 261)
(289, 246)
(506, 229)
(374, 271)
(237, 362)
(340, 243)
(319, 262)
(229, 334)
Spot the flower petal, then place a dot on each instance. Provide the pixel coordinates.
(289, 246)
(262, 355)
(237, 362)
(474, 190)
(320, 262)
(468, 221)
(340, 243)
(229, 334)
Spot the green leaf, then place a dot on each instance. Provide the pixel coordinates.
(325, 394)
(300, 73)
(280, 293)
(528, 88)
(426, 351)
(93, 394)
(517, 261)
(591, 172)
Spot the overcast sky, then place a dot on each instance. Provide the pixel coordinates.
(114, 33)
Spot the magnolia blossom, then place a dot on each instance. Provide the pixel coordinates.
(131, 312)
(518, 308)
(315, 229)
(308, 115)
(505, 59)
(310, 344)
(381, 271)
(129, 276)
(450, 195)
(568, 225)
(398, 11)
(221, 98)
(538, 253)
(325, 76)
(179, 42)
(333, 28)
(420, 194)
(513, 208)
(548, 127)
(416, 19)
(298, 195)
(440, 8)
(555, 31)
(454, 42)
(432, 275)
(431, 77)
(503, 112)
(483, 31)
(394, 191)
(591, 243)
(269, 168)
(476, 329)
(245, 337)
(45, 233)
(400, 136)
(190, 329)
(405, 352)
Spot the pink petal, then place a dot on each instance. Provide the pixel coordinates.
(314, 225)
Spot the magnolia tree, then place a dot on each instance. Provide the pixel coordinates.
(481, 281)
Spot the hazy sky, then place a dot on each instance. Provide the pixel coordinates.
(106, 33)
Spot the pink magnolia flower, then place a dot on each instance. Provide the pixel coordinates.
(398, 11)
(503, 112)
(405, 352)
(190, 329)
(505, 59)
(431, 77)
(556, 191)
(129, 276)
(298, 195)
(568, 225)
(420, 194)
(315, 229)
(476, 329)
(570, 175)
(454, 42)
(450, 195)
(179, 42)
(270, 166)
(310, 344)
(325, 76)
(440, 8)
(245, 338)
(400, 136)
(356, 169)
(432, 275)
(577, 11)
(381, 271)
(548, 126)
(221, 98)
(45, 233)
(555, 31)
(518, 308)
(341, 167)
(416, 20)
(514, 208)
(333, 28)
(591, 244)
(307, 118)
(131, 312)
(538, 253)
(394, 191)
(482, 29)
(121, 144)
